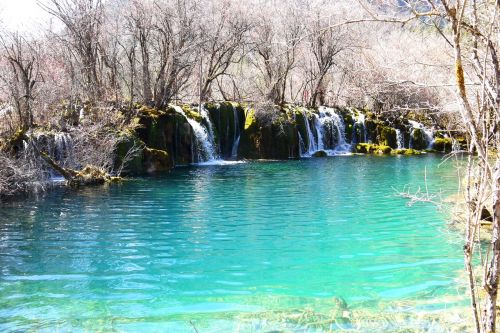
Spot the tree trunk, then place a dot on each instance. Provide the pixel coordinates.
(491, 285)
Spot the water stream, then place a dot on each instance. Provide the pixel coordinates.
(428, 133)
(204, 148)
(400, 139)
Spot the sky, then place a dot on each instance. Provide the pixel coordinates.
(24, 15)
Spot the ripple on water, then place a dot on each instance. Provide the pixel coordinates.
(244, 244)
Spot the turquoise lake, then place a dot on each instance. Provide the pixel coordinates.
(312, 245)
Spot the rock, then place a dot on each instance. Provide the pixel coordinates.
(156, 160)
(418, 139)
(370, 148)
(228, 122)
(383, 150)
(442, 145)
(407, 152)
(91, 175)
(134, 165)
(320, 153)
(168, 131)
(388, 136)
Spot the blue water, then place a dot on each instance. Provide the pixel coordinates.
(231, 248)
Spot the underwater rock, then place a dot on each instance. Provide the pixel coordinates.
(319, 153)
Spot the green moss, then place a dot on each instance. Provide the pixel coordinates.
(144, 110)
(442, 144)
(250, 119)
(157, 160)
(407, 152)
(370, 116)
(191, 113)
(418, 137)
(365, 148)
(370, 148)
(387, 136)
(383, 150)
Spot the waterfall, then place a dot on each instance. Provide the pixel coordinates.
(204, 114)
(429, 137)
(204, 148)
(237, 134)
(302, 146)
(59, 146)
(312, 145)
(359, 121)
(328, 135)
(330, 119)
(400, 139)
(63, 148)
(455, 146)
(318, 125)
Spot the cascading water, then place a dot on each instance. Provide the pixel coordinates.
(400, 139)
(358, 123)
(204, 147)
(330, 119)
(237, 134)
(428, 133)
(58, 146)
(330, 133)
(455, 146)
(302, 145)
(318, 125)
(312, 144)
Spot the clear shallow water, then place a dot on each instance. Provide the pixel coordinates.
(231, 248)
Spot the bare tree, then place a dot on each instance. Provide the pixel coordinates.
(471, 30)
(21, 75)
(140, 26)
(325, 44)
(277, 48)
(175, 42)
(83, 20)
(223, 33)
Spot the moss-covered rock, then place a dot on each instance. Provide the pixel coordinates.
(129, 165)
(371, 129)
(388, 136)
(370, 148)
(191, 112)
(156, 160)
(92, 175)
(383, 150)
(406, 152)
(14, 143)
(228, 121)
(442, 144)
(169, 131)
(278, 140)
(418, 140)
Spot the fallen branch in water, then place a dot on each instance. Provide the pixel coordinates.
(419, 196)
